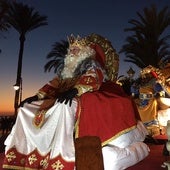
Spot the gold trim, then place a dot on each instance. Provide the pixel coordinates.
(105, 142)
(41, 95)
(78, 118)
(17, 167)
(83, 89)
(119, 134)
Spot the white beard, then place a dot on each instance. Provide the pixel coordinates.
(71, 62)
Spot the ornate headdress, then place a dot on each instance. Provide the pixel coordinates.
(76, 41)
(155, 72)
(105, 53)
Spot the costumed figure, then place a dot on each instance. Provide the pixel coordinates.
(81, 119)
(156, 108)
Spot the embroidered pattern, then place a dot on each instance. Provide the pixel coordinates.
(10, 156)
(35, 160)
(57, 165)
(44, 163)
(32, 158)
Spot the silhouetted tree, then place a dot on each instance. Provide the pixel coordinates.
(56, 57)
(147, 44)
(3, 23)
(23, 19)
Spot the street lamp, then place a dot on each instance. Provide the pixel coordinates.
(18, 94)
(16, 86)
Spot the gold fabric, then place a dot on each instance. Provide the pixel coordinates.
(149, 112)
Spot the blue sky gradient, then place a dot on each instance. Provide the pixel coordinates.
(108, 18)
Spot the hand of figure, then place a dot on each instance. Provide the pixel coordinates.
(29, 100)
(68, 96)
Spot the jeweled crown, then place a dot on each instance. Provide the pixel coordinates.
(76, 41)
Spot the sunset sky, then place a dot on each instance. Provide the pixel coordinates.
(108, 18)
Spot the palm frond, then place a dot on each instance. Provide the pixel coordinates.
(56, 57)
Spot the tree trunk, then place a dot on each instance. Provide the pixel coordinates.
(19, 71)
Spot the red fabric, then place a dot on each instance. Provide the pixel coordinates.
(100, 55)
(154, 74)
(105, 113)
(91, 81)
(47, 89)
(34, 160)
(112, 87)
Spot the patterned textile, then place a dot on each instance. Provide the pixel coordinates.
(34, 160)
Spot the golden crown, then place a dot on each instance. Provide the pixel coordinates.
(76, 41)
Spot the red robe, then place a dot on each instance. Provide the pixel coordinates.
(106, 113)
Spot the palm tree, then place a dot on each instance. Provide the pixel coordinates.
(56, 57)
(148, 44)
(23, 19)
(3, 10)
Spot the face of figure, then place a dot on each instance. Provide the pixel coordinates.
(75, 55)
(74, 50)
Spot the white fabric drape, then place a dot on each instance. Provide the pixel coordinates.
(55, 135)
